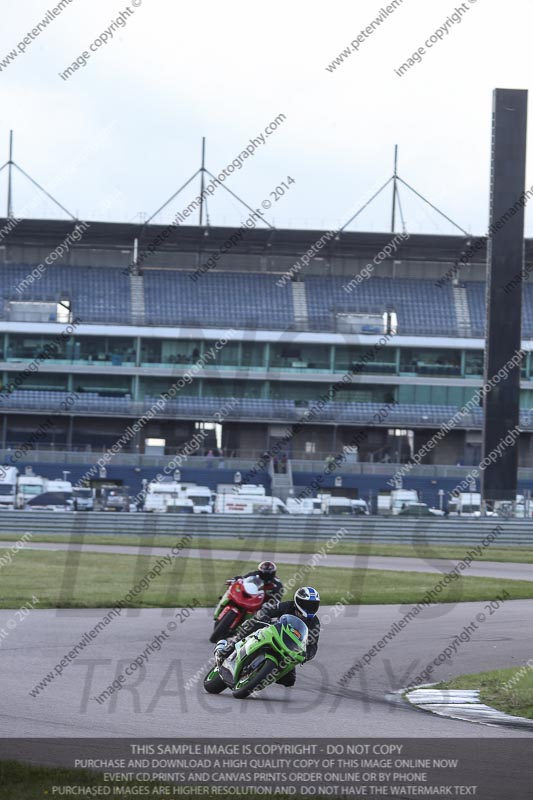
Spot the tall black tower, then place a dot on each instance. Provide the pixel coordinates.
(504, 304)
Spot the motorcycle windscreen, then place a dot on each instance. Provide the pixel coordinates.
(293, 631)
(252, 586)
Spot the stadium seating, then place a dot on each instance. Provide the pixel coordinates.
(364, 414)
(478, 310)
(249, 300)
(97, 294)
(420, 306)
(223, 299)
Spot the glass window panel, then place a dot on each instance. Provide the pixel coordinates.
(104, 385)
(474, 363)
(109, 350)
(26, 347)
(365, 359)
(253, 354)
(436, 362)
(155, 386)
(44, 381)
(227, 356)
(296, 355)
(232, 388)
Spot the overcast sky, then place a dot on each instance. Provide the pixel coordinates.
(117, 138)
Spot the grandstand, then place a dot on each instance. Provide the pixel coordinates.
(138, 331)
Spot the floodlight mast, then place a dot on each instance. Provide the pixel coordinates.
(9, 178)
(394, 189)
(10, 164)
(202, 183)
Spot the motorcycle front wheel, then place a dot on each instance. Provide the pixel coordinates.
(213, 683)
(257, 678)
(222, 628)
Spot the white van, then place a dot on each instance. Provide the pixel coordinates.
(8, 487)
(305, 505)
(249, 504)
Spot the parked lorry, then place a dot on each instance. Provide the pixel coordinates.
(161, 494)
(180, 506)
(29, 485)
(304, 505)
(83, 498)
(115, 499)
(465, 504)
(60, 487)
(201, 498)
(8, 487)
(237, 503)
(395, 501)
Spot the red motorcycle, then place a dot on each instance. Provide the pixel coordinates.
(242, 599)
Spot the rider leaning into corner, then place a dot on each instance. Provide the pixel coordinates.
(272, 586)
(305, 605)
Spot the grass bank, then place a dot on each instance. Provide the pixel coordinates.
(271, 546)
(94, 580)
(509, 690)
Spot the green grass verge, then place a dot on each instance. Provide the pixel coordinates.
(518, 555)
(26, 782)
(509, 690)
(94, 580)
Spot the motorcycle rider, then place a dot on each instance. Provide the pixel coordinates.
(272, 586)
(304, 605)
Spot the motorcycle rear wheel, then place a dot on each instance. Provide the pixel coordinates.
(262, 674)
(222, 628)
(213, 683)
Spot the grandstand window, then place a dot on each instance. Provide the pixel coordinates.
(296, 391)
(253, 354)
(27, 347)
(365, 359)
(232, 388)
(311, 392)
(109, 350)
(293, 355)
(474, 362)
(430, 362)
(151, 388)
(409, 394)
(165, 352)
(227, 356)
(103, 385)
(22, 346)
(366, 393)
(44, 381)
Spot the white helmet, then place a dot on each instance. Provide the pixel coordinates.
(307, 601)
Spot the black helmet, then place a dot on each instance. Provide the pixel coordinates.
(267, 571)
(307, 601)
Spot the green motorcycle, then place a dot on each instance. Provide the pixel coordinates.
(261, 658)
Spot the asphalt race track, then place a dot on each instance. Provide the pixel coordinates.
(155, 701)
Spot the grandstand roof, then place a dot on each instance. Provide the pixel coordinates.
(281, 242)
